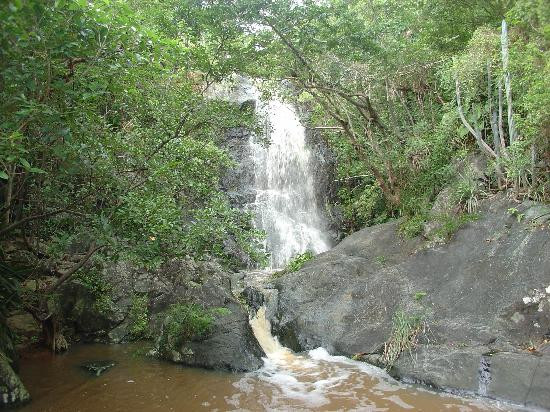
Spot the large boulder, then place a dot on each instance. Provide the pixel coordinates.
(484, 299)
(12, 390)
(136, 303)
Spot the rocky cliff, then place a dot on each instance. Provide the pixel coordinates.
(483, 301)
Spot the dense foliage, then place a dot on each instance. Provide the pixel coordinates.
(189, 322)
(382, 78)
(107, 142)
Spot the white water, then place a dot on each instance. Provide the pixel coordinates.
(286, 204)
(316, 381)
(285, 207)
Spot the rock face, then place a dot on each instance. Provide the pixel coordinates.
(12, 390)
(231, 344)
(487, 298)
(238, 182)
(325, 182)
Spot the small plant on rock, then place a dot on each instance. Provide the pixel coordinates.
(188, 321)
(295, 264)
(450, 224)
(298, 261)
(467, 193)
(405, 331)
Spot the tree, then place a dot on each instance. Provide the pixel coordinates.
(108, 147)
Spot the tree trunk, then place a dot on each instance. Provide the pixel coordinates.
(8, 197)
(507, 82)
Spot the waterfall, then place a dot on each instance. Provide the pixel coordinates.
(270, 344)
(286, 207)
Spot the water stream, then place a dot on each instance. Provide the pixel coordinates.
(312, 381)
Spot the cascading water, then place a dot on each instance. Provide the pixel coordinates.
(286, 204)
(286, 209)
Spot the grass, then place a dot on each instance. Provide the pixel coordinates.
(405, 331)
(295, 264)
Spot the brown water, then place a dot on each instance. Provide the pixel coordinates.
(314, 381)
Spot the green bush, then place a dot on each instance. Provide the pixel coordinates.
(100, 289)
(451, 223)
(139, 317)
(412, 226)
(188, 321)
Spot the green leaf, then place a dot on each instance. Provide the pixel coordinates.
(36, 170)
(3, 175)
(25, 163)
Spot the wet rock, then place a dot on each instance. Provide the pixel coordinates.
(231, 345)
(25, 327)
(521, 377)
(325, 182)
(12, 390)
(442, 367)
(97, 368)
(238, 181)
(488, 289)
(253, 297)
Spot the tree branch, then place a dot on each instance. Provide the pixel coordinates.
(476, 133)
(66, 275)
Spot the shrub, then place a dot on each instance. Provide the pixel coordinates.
(467, 192)
(139, 317)
(451, 223)
(188, 321)
(412, 226)
(100, 289)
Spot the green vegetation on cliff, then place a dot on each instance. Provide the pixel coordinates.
(403, 90)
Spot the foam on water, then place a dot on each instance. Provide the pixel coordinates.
(317, 380)
(313, 379)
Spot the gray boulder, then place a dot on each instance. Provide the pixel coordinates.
(12, 390)
(230, 345)
(486, 292)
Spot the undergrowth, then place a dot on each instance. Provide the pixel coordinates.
(185, 322)
(139, 317)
